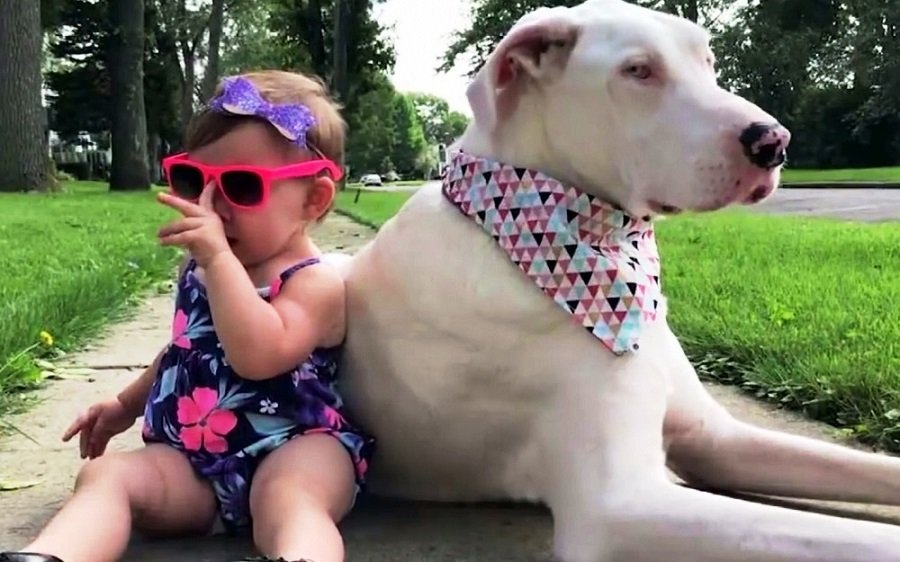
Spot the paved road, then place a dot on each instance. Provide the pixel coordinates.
(869, 205)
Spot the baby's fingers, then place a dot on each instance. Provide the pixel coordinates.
(179, 226)
(76, 426)
(97, 444)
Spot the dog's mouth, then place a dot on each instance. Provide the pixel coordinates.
(661, 208)
(758, 194)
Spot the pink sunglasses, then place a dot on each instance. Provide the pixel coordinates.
(245, 187)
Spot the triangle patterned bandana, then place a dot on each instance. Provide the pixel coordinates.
(595, 261)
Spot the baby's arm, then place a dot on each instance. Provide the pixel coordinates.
(261, 339)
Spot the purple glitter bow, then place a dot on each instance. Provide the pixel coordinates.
(240, 97)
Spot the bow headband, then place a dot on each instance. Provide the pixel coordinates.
(240, 97)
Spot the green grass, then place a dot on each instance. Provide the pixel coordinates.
(373, 208)
(854, 175)
(71, 262)
(399, 183)
(802, 312)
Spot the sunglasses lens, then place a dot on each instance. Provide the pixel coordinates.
(186, 181)
(243, 188)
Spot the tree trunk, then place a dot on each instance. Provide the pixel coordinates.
(692, 11)
(316, 37)
(341, 16)
(339, 82)
(216, 21)
(153, 156)
(24, 158)
(187, 59)
(129, 120)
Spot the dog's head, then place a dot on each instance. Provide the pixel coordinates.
(624, 102)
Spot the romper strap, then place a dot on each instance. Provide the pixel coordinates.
(276, 285)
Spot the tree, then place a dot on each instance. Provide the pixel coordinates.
(213, 64)
(252, 41)
(24, 162)
(306, 29)
(371, 145)
(79, 87)
(130, 168)
(440, 125)
(410, 146)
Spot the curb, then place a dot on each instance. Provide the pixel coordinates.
(841, 185)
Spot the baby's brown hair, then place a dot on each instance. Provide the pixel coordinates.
(327, 137)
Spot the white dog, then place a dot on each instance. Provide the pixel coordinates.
(479, 386)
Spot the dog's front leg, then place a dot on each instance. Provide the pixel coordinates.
(712, 449)
(611, 500)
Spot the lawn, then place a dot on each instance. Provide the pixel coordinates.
(71, 262)
(373, 208)
(800, 311)
(854, 175)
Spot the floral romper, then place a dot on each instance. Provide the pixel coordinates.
(225, 424)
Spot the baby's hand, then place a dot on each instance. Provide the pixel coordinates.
(100, 423)
(200, 231)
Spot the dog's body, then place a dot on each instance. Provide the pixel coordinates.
(478, 387)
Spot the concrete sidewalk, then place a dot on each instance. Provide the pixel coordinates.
(378, 531)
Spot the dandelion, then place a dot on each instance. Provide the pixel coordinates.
(46, 338)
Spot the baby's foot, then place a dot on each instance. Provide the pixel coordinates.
(27, 557)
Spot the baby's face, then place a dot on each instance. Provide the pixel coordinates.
(257, 235)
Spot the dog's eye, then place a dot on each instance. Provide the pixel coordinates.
(639, 71)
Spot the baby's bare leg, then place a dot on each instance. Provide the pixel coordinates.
(298, 495)
(152, 489)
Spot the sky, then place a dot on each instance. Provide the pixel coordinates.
(421, 31)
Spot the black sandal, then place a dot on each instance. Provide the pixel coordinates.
(257, 559)
(27, 557)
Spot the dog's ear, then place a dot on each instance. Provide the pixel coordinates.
(536, 48)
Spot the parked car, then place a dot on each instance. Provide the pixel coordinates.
(391, 176)
(371, 179)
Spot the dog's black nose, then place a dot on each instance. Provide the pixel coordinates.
(766, 144)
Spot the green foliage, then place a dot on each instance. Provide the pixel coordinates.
(307, 37)
(373, 134)
(410, 139)
(253, 43)
(80, 98)
(440, 125)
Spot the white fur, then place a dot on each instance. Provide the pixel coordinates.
(478, 387)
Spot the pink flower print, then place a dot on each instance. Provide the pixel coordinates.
(332, 417)
(204, 426)
(179, 325)
(275, 288)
